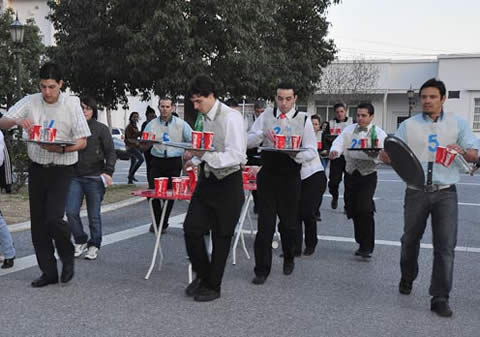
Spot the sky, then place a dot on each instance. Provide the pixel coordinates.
(404, 29)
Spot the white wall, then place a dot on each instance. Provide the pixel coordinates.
(38, 10)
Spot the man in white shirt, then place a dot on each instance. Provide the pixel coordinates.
(360, 175)
(278, 182)
(51, 170)
(218, 198)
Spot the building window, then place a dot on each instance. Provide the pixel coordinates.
(454, 94)
(476, 115)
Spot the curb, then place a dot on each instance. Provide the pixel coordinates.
(25, 226)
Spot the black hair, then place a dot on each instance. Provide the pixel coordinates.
(339, 105)
(286, 85)
(149, 110)
(91, 103)
(434, 83)
(231, 102)
(51, 71)
(317, 117)
(368, 106)
(202, 85)
(259, 104)
(131, 115)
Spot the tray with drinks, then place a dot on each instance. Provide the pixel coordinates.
(55, 142)
(150, 141)
(366, 149)
(187, 146)
(285, 150)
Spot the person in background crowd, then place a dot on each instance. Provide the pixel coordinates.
(51, 170)
(360, 175)
(318, 135)
(166, 161)
(92, 174)
(6, 243)
(424, 133)
(149, 115)
(324, 129)
(218, 198)
(131, 141)
(337, 166)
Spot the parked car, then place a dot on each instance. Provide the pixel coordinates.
(120, 149)
(118, 133)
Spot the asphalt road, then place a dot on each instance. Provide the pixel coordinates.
(331, 293)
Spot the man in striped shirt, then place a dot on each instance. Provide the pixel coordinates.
(51, 169)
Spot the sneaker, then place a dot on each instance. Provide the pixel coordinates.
(80, 249)
(92, 253)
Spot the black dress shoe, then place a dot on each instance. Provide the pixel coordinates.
(405, 287)
(206, 295)
(288, 267)
(308, 251)
(297, 253)
(192, 288)
(259, 279)
(151, 229)
(43, 281)
(334, 203)
(134, 179)
(363, 253)
(440, 307)
(8, 263)
(67, 272)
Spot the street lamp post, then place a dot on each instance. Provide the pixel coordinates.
(411, 101)
(16, 33)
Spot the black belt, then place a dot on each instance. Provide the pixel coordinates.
(163, 158)
(49, 165)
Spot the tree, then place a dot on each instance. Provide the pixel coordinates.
(31, 51)
(349, 81)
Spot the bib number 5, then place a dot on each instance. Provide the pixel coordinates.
(433, 142)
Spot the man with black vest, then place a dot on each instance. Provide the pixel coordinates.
(166, 161)
(337, 166)
(218, 198)
(278, 182)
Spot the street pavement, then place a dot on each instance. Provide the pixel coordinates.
(332, 293)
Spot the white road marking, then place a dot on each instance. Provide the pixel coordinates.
(177, 222)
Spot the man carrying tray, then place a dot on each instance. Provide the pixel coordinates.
(361, 174)
(278, 182)
(218, 198)
(424, 133)
(51, 169)
(166, 160)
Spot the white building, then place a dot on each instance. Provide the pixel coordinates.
(461, 74)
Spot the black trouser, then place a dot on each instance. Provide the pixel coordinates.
(48, 188)
(164, 167)
(359, 204)
(311, 199)
(337, 169)
(278, 194)
(148, 158)
(216, 206)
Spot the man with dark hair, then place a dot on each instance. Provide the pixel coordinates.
(51, 169)
(278, 182)
(360, 175)
(166, 161)
(218, 198)
(149, 115)
(337, 166)
(424, 133)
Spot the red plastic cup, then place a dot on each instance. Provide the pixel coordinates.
(245, 176)
(376, 143)
(192, 174)
(161, 185)
(207, 140)
(153, 136)
(35, 132)
(338, 131)
(363, 143)
(145, 135)
(185, 185)
(279, 141)
(440, 154)
(197, 139)
(445, 156)
(296, 141)
(332, 131)
(51, 134)
(177, 186)
(319, 145)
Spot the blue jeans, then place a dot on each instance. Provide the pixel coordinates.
(6, 242)
(442, 206)
(136, 160)
(93, 190)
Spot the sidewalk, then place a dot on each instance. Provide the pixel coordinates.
(25, 226)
